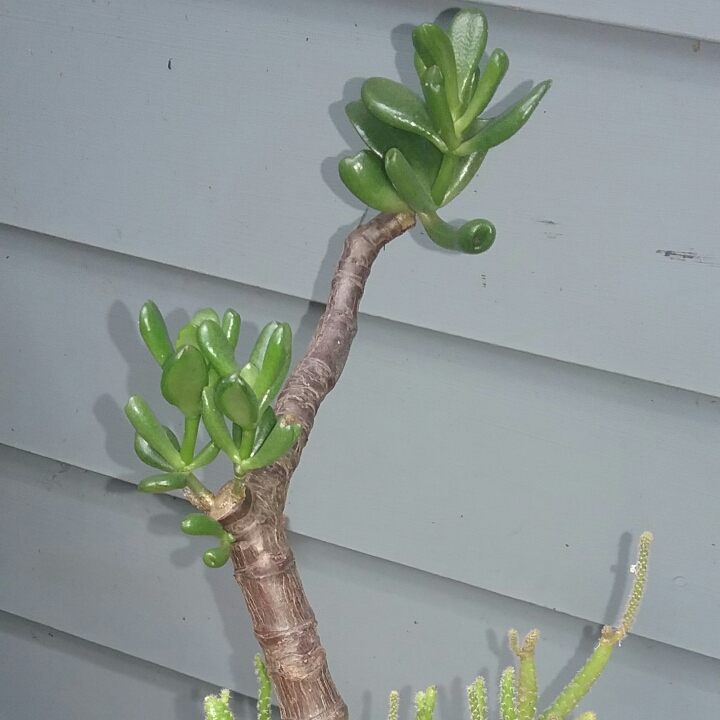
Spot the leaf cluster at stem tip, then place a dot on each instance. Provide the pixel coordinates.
(423, 151)
(202, 379)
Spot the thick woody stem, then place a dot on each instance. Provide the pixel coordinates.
(264, 566)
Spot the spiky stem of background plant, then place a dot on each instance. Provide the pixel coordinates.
(264, 567)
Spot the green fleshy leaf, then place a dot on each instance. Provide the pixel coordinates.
(154, 332)
(435, 49)
(163, 483)
(468, 37)
(216, 427)
(465, 171)
(407, 183)
(205, 314)
(143, 419)
(485, 87)
(395, 105)
(473, 237)
(205, 456)
(258, 352)
(364, 176)
(433, 87)
(216, 348)
(150, 456)
(281, 438)
(184, 376)
(201, 524)
(424, 157)
(187, 335)
(231, 327)
(265, 425)
(249, 373)
(236, 400)
(216, 557)
(501, 128)
(275, 364)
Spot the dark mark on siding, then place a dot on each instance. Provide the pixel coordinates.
(547, 222)
(686, 255)
(170, 64)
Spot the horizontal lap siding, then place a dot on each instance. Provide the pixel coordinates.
(46, 674)
(385, 626)
(205, 136)
(225, 163)
(545, 473)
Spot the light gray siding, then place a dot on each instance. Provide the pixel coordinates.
(536, 407)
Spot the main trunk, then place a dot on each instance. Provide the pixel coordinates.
(264, 567)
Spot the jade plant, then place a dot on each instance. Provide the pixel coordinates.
(421, 153)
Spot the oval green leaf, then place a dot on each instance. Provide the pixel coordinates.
(216, 557)
(464, 172)
(184, 376)
(407, 183)
(163, 483)
(187, 335)
(281, 438)
(154, 332)
(424, 157)
(150, 456)
(216, 427)
(395, 105)
(236, 400)
(231, 327)
(492, 75)
(143, 419)
(503, 127)
(205, 314)
(275, 364)
(205, 456)
(468, 37)
(216, 348)
(435, 49)
(364, 176)
(433, 87)
(267, 422)
(201, 524)
(258, 351)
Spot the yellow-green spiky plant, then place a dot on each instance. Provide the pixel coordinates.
(217, 707)
(519, 693)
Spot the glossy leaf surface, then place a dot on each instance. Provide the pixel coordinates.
(282, 437)
(154, 332)
(258, 352)
(201, 524)
(187, 335)
(424, 157)
(150, 456)
(236, 400)
(265, 425)
(473, 237)
(435, 49)
(465, 171)
(205, 314)
(163, 483)
(275, 364)
(468, 37)
(216, 557)
(216, 348)
(205, 456)
(184, 376)
(216, 427)
(407, 183)
(501, 128)
(433, 87)
(231, 327)
(364, 175)
(144, 421)
(395, 105)
(491, 77)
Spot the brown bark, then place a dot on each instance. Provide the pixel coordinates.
(264, 567)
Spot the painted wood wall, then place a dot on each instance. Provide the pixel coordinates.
(536, 407)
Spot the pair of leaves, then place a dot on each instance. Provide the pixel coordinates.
(269, 438)
(201, 524)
